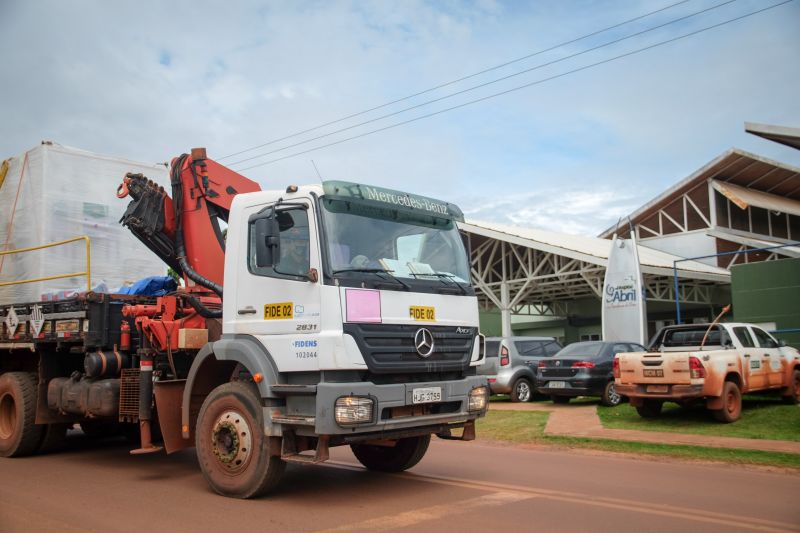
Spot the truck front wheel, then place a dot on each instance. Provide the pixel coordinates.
(650, 408)
(403, 455)
(233, 452)
(19, 434)
(731, 404)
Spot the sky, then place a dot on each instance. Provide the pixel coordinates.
(576, 149)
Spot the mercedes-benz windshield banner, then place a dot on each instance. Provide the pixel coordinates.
(624, 308)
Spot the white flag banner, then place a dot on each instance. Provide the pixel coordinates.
(624, 312)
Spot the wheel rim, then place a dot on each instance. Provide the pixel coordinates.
(8, 416)
(613, 397)
(231, 441)
(523, 391)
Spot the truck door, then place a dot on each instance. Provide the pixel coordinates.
(770, 357)
(752, 366)
(279, 304)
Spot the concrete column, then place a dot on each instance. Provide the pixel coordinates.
(505, 309)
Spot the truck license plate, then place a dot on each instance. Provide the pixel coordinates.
(653, 372)
(426, 395)
(658, 388)
(557, 384)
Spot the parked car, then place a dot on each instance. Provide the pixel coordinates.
(583, 369)
(511, 364)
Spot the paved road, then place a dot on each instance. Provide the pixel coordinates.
(457, 487)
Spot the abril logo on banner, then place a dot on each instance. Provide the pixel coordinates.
(624, 313)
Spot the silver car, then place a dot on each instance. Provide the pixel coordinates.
(511, 364)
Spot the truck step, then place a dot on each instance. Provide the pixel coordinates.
(295, 420)
(290, 454)
(285, 389)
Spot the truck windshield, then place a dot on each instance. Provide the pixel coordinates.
(366, 243)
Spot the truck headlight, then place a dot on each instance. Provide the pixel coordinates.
(478, 399)
(352, 410)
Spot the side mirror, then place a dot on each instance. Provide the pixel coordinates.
(781, 343)
(268, 241)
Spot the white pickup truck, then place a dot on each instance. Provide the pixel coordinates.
(715, 363)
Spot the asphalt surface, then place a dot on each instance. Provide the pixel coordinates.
(98, 486)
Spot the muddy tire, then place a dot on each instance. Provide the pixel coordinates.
(563, 400)
(521, 391)
(793, 389)
(19, 434)
(232, 449)
(610, 397)
(53, 437)
(650, 408)
(402, 456)
(731, 404)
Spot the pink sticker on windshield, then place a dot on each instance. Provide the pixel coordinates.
(363, 305)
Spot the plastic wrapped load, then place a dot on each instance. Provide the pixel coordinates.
(54, 193)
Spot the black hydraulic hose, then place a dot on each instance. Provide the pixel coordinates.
(201, 309)
(180, 249)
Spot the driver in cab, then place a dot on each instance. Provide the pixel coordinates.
(294, 252)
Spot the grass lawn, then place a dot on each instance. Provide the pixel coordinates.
(527, 427)
(762, 418)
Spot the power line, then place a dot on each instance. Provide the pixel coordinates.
(537, 82)
(481, 85)
(442, 85)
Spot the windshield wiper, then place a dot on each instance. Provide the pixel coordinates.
(405, 285)
(442, 276)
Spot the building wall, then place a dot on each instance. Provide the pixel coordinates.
(769, 292)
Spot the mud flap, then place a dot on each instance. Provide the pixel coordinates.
(169, 399)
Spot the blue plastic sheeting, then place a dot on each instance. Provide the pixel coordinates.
(152, 286)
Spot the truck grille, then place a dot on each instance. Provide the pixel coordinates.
(389, 348)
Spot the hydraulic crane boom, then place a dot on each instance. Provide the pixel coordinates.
(184, 230)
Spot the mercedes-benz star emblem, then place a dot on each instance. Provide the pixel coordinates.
(423, 342)
(558, 363)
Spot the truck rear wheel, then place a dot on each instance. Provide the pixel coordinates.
(731, 404)
(53, 437)
(650, 408)
(232, 450)
(403, 455)
(19, 434)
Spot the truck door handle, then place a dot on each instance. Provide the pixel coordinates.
(747, 355)
(765, 355)
(247, 311)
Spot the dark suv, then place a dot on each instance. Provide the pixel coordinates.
(583, 369)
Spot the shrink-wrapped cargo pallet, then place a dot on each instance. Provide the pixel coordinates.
(53, 193)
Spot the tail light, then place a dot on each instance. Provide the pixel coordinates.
(542, 364)
(503, 356)
(696, 368)
(616, 367)
(582, 364)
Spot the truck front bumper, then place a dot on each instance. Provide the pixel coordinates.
(672, 392)
(393, 409)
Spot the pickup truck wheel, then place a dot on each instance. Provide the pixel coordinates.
(232, 449)
(560, 399)
(19, 434)
(731, 404)
(610, 397)
(403, 455)
(794, 388)
(650, 408)
(521, 391)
